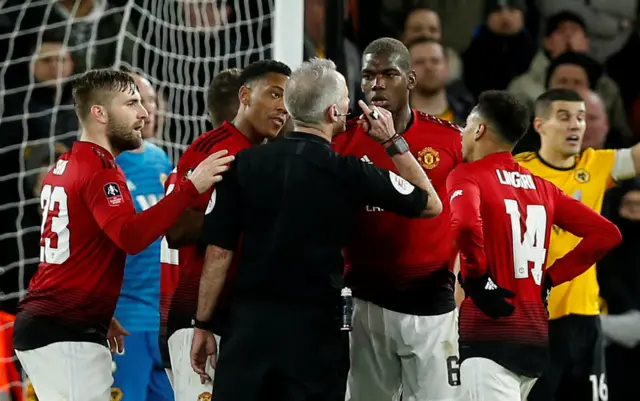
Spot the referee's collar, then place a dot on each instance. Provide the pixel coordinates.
(303, 136)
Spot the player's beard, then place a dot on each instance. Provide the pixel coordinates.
(122, 137)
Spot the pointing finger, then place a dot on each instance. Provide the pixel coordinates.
(365, 109)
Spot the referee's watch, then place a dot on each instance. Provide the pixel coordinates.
(199, 324)
(396, 145)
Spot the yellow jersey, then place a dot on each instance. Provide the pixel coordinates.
(588, 180)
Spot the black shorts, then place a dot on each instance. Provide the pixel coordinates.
(274, 351)
(577, 365)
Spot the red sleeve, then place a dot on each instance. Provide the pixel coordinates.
(189, 160)
(170, 182)
(598, 235)
(108, 197)
(466, 223)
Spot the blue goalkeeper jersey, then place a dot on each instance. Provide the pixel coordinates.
(138, 308)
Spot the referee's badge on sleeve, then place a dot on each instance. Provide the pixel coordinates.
(400, 184)
(113, 193)
(212, 202)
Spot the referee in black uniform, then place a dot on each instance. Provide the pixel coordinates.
(287, 208)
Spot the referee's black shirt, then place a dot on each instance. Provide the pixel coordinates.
(293, 202)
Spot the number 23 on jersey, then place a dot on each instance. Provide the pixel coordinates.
(54, 237)
(530, 247)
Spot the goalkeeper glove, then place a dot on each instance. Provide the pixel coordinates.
(488, 297)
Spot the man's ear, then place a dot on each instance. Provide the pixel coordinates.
(480, 131)
(99, 113)
(245, 95)
(411, 80)
(537, 125)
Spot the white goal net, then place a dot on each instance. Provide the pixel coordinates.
(179, 45)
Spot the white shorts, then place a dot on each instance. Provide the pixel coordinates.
(393, 353)
(486, 380)
(186, 383)
(169, 373)
(69, 371)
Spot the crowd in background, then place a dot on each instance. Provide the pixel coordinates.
(459, 48)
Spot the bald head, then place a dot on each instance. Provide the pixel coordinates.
(149, 101)
(597, 126)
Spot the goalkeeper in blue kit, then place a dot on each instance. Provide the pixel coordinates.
(139, 373)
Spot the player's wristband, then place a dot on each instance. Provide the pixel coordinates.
(396, 145)
(199, 324)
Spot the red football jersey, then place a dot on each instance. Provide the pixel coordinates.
(185, 296)
(169, 276)
(501, 216)
(400, 263)
(88, 225)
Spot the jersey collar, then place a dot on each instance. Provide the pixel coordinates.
(233, 129)
(82, 145)
(301, 136)
(551, 166)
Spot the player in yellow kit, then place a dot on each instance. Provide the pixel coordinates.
(576, 369)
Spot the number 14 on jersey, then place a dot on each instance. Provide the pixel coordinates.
(530, 247)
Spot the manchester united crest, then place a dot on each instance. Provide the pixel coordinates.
(582, 176)
(429, 158)
(205, 397)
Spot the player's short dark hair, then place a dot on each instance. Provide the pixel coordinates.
(423, 40)
(54, 35)
(388, 47)
(222, 96)
(98, 87)
(260, 69)
(504, 115)
(544, 102)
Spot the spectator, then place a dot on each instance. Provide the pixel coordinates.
(425, 23)
(314, 42)
(431, 94)
(619, 279)
(597, 127)
(578, 71)
(597, 133)
(609, 22)
(387, 18)
(566, 32)
(501, 50)
(94, 25)
(50, 105)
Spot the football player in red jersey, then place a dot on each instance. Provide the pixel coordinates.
(222, 101)
(502, 217)
(261, 115)
(89, 224)
(400, 270)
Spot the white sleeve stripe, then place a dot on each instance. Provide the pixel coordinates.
(623, 166)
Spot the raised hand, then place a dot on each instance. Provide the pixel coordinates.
(378, 122)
